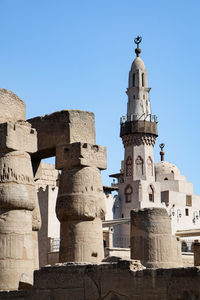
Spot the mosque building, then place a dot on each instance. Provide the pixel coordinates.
(143, 183)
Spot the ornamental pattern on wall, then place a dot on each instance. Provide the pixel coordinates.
(129, 166)
(139, 139)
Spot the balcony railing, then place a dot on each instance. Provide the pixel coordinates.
(132, 117)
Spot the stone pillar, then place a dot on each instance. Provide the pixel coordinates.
(17, 192)
(80, 203)
(152, 241)
(196, 248)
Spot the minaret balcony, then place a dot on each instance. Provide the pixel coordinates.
(129, 125)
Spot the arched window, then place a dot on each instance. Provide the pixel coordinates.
(151, 193)
(139, 166)
(166, 178)
(142, 79)
(133, 80)
(128, 193)
(129, 164)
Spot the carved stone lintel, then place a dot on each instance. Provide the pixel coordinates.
(139, 139)
(74, 155)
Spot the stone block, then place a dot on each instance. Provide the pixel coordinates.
(18, 136)
(66, 126)
(74, 155)
(25, 282)
(59, 276)
(12, 108)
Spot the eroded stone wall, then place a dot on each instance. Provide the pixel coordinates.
(125, 280)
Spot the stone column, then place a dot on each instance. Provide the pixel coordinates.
(17, 192)
(80, 203)
(152, 241)
(196, 246)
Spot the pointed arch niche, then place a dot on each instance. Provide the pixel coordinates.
(151, 193)
(150, 166)
(139, 166)
(129, 166)
(128, 193)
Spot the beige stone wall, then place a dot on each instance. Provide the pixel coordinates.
(124, 280)
(49, 176)
(47, 190)
(12, 108)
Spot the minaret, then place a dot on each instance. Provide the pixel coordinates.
(138, 129)
(137, 188)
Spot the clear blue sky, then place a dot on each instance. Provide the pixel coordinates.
(76, 55)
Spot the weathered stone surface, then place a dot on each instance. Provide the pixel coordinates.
(17, 192)
(80, 154)
(151, 239)
(17, 189)
(110, 281)
(12, 108)
(16, 255)
(62, 127)
(80, 195)
(82, 241)
(18, 136)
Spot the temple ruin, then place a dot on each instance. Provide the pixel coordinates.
(155, 270)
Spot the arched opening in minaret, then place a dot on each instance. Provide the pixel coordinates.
(150, 166)
(133, 80)
(139, 166)
(142, 79)
(128, 193)
(151, 193)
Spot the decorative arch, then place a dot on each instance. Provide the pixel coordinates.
(128, 193)
(129, 166)
(150, 166)
(151, 193)
(139, 166)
